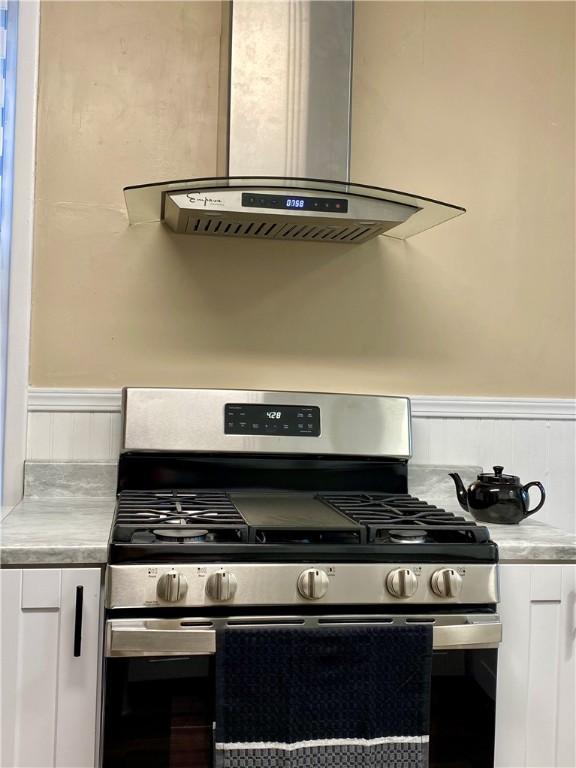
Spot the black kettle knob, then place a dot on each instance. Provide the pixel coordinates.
(498, 471)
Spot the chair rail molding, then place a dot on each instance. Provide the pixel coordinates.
(435, 407)
(74, 400)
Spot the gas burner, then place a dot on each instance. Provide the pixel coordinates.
(190, 535)
(412, 536)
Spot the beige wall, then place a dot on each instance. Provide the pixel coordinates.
(468, 102)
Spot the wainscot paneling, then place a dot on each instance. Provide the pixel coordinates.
(535, 439)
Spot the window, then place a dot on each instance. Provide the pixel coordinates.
(8, 44)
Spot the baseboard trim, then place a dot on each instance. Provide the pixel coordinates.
(433, 407)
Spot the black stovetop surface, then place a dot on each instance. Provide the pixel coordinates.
(209, 525)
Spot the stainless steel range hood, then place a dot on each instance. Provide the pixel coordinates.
(284, 143)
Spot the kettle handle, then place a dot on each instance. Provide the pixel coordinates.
(542, 497)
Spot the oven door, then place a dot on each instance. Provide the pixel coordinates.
(159, 687)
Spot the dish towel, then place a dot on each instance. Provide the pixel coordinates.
(323, 697)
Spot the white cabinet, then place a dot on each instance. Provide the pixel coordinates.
(50, 620)
(536, 713)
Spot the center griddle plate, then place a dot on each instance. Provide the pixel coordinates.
(294, 511)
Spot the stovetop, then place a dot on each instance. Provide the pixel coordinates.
(218, 525)
(282, 501)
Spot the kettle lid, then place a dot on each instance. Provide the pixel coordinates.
(498, 477)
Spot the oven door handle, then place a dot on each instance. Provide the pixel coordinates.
(134, 641)
(467, 636)
(182, 638)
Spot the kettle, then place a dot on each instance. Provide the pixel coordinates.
(497, 498)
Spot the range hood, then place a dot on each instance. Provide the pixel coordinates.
(284, 140)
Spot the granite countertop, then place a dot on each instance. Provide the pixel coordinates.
(57, 531)
(528, 541)
(65, 518)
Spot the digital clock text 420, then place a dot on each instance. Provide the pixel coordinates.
(272, 419)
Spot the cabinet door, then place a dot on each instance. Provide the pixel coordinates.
(536, 667)
(50, 666)
(78, 669)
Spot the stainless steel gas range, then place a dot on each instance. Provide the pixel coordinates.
(248, 508)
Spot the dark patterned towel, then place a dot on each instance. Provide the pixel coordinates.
(323, 698)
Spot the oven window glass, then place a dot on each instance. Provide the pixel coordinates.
(159, 713)
(463, 709)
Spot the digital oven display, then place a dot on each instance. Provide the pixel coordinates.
(277, 420)
(295, 202)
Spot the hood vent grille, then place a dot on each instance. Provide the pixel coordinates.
(274, 230)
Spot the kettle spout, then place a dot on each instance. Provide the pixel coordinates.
(460, 490)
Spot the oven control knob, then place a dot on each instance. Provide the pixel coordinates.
(446, 583)
(313, 583)
(221, 586)
(172, 586)
(402, 582)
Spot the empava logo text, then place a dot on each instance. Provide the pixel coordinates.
(204, 200)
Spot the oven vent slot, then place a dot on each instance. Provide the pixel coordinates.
(271, 622)
(197, 624)
(375, 620)
(420, 620)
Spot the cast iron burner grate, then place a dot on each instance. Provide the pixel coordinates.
(163, 507)
(178, 517)
(389, 516)
(207, 525)
(211, 516)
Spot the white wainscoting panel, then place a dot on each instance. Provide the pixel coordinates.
(73, 436)
(533, 449)
(535, 439)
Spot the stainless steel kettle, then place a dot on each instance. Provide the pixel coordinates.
(497, 498)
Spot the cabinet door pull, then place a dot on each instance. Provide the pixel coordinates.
(78, 621)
